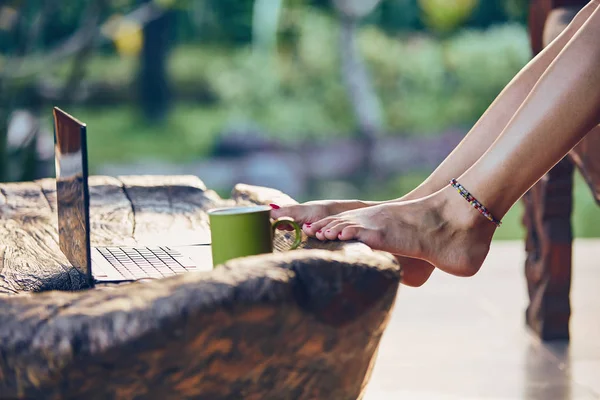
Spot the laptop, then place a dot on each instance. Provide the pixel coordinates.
(105, 264)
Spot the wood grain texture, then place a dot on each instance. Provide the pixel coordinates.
(178, 209)
(548, 207)
(304, 324)
(32, 259)
(549, 203)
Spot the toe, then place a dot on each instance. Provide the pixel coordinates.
(349, 232)
(325, 226)
(294, 211)
(306, 227)
(320, 235)
(321, 227)
(332, 232)
(288, 228)
(312, 229)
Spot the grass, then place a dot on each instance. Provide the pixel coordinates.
(119, 134)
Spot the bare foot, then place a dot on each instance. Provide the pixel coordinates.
(415, 272)
(312, 211)
(441, 229)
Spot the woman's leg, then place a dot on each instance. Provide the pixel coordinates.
(500, 112)
(477, 141)
(443, 228)
(417, 272)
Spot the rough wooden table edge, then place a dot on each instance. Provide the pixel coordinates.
(48, 333)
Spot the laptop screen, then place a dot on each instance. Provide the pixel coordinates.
(72, 190)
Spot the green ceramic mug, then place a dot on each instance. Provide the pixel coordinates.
(245, 231)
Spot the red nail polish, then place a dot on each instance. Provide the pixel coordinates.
(274, 206)
(319, 231)
(308, 225)
(340, 234)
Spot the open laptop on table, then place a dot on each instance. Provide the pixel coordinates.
(105, 264)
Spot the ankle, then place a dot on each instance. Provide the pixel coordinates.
(468, 234)
(460, 214)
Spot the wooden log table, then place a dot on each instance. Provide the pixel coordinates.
(302, 324)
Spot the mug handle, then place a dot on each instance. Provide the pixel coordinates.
(297, 230)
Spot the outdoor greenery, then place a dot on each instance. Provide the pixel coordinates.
(426, 85)
(433, 66)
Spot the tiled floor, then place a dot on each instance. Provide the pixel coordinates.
(457, 338)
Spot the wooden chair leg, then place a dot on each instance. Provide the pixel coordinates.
(548, 207)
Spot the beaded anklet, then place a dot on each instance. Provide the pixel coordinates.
(474, 202)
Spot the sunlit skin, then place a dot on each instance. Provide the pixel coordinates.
(540, 115)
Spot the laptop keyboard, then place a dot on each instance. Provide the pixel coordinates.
(147, 262)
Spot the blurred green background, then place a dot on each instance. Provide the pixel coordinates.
(165, 82)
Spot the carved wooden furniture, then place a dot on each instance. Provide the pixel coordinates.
(548, 204)
(304, 324)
